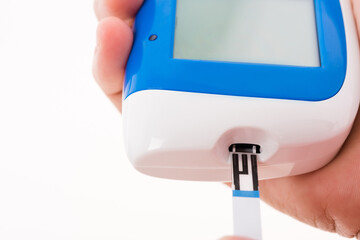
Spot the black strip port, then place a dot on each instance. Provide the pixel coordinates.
(245, 148)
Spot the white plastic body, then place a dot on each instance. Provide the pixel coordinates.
(182, 135)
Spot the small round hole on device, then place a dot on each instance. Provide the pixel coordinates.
(153, 37)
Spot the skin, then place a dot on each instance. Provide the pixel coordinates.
(328, 198)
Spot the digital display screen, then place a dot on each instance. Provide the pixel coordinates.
(281, 32)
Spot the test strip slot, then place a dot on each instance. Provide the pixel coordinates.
(245, 170)
(245, 148)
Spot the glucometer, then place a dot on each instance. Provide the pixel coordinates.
(206, 74)
(274, 84)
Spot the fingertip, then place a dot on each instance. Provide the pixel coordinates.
(114, 41)
(113, 32)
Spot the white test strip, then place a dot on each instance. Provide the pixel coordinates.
(246, 199)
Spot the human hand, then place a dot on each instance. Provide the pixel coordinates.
(328, 198)
(114, 42)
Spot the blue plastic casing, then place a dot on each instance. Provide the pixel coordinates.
(151, 65)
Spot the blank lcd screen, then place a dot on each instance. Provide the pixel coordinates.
(279, 32)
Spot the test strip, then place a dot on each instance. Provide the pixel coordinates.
(246, 198)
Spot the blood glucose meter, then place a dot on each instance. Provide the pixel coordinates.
(280, 76)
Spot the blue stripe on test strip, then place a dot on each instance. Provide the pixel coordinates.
(249, 194)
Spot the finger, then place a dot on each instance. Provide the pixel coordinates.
(124, 9)
(356, 7)
(114, 41)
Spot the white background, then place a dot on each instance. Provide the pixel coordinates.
(63, 172)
